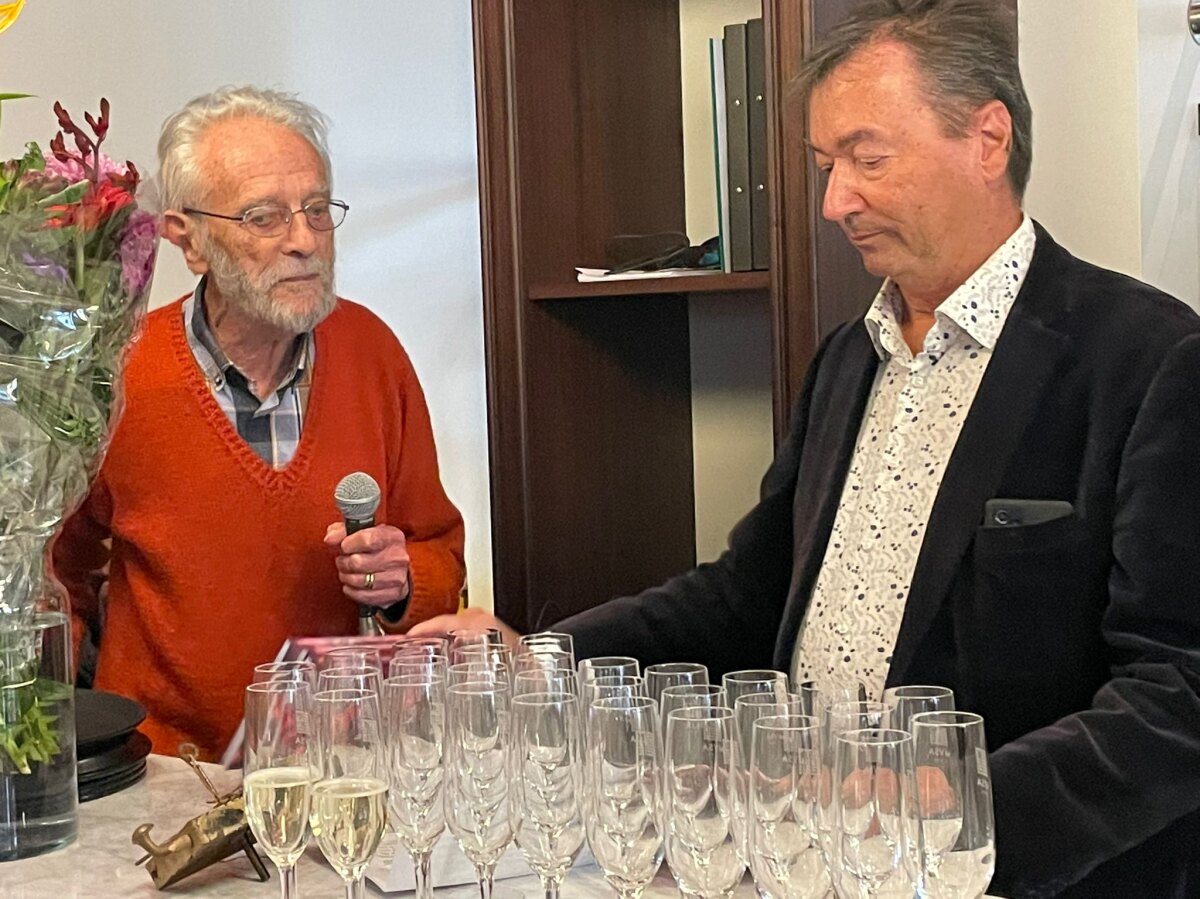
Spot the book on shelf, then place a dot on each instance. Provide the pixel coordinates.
(737, 138)
(716, 67)
(756, 88)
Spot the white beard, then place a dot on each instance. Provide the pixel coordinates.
(252, 295)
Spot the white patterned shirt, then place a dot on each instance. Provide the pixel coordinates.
(909, 429)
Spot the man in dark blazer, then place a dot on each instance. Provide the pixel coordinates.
(1053, 577)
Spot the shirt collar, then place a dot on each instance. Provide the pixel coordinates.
(213, 359)
(979, 306)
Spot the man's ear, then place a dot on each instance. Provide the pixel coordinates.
(993, 124)
(180, 230)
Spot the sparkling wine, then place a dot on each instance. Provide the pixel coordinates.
(351, 813)
(277, 806)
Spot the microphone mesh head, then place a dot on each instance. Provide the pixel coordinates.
(357, 496)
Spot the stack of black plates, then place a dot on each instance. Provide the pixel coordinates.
(111, 750)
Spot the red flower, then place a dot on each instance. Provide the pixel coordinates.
(100, 202)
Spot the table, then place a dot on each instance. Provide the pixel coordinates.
(100, 863)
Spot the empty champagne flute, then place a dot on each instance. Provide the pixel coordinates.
(279, 766)
(545, 680)
(784, 843)
(349, 804)
(874, 802)
(701, 843)
(476, 791)
(284, 671)
(836, 719)
(414, 714)
(465, 672)
(422, 664)
(608, 666)
(755, 680)
(549, 640)
(748, 708)
(547, 795)
(352, 656)
(954, 798)
(672, 674)
(625, 824)
(913, 699)
(688, 696)
(350, 677)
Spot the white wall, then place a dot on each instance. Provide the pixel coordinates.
(1168, 92)
(395, 79)
(730, 336)
(1079, 59)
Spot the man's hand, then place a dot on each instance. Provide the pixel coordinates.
(372, 564)
(466, 620)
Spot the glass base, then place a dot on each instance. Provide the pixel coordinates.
(37, 837)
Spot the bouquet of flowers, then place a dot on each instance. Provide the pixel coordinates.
(76, 258)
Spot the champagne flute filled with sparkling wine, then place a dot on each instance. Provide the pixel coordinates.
(279, 767)
(350, 801)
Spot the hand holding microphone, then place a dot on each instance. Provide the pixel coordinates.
(372, 561)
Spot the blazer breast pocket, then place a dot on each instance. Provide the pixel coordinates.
(1037, 526)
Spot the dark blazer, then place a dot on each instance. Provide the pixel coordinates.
(1078, 640)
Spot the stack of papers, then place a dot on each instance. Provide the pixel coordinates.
(600, 274)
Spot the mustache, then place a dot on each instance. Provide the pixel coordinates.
(300, 268)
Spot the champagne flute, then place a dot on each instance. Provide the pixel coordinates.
(754, 680)
(414, 714)
(350, 677)
(837, 718)
(672, 674)
(608, 666)
(280, 765)
(625, 824)
(686, 696)
(874, 803)
(547, 802)
(784, 844)
(545, 680)
(349, 805)
(476, 793)
(913, 699)
(954, 792)
(700, 839)
(285, 671)
(353, 657)
(748, 708)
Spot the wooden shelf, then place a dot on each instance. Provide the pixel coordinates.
(717, 282)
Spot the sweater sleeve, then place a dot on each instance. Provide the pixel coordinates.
(418, 505)
(79, 559)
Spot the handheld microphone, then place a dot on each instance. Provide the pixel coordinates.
(357, 496)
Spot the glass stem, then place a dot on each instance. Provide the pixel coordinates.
(421, 865)
(354, 889)
(287, 882)
(550, 885)
(485, 875)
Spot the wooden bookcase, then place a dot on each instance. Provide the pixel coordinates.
(589, 387)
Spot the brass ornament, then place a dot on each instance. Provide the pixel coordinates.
(210, 837)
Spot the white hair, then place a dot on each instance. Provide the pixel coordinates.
(178, 167)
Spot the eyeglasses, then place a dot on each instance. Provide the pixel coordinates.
(271, 221)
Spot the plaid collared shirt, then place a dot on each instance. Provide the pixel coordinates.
(272, 426)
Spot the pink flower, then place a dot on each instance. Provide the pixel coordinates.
(72, 168)
(139, 240)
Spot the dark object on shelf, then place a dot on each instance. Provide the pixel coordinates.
(103, 719)
(654, 252)
(210, 837)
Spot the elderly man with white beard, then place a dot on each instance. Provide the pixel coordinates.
(246, 402)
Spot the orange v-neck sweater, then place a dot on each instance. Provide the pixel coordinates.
(217, 558)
